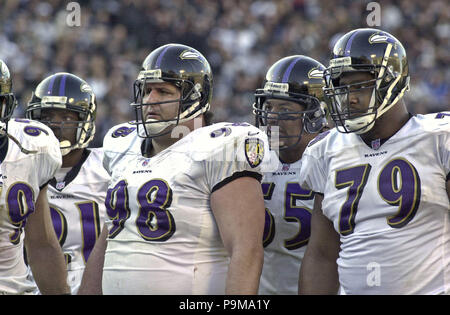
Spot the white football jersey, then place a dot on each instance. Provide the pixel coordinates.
(287, 229)
(21, 177)
(163, 238)
(77, 205)
(389, 205)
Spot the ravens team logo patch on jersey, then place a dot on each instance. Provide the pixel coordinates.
(122, 132)
(254, 151)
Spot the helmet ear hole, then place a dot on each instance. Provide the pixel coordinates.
(196, 94)
(315, 121)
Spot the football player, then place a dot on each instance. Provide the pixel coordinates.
(29, 158)
(289, 106)
(185, 207)
(67, 105)
(380, 224)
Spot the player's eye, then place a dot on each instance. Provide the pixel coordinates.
(165, 92)
(268, 106)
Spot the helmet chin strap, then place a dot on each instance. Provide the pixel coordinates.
(155, 127)
(65, 147)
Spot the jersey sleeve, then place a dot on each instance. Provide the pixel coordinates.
(444, 145)
(106, 161)
(117, 142)
(49, 158)
(313, 174)
(439, 125)
(99, 173)
(50, 163)
(242, 150)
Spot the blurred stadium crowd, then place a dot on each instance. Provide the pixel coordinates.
(240, 38)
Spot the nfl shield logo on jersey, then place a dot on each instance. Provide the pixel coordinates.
(254, 151)
(376, 144)
(60, 185)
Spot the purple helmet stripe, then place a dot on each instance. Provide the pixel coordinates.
(349, 44)
(158, 61)
(62, 85)
(50, 86)
(289, 70)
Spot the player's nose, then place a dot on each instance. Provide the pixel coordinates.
(152, 97)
